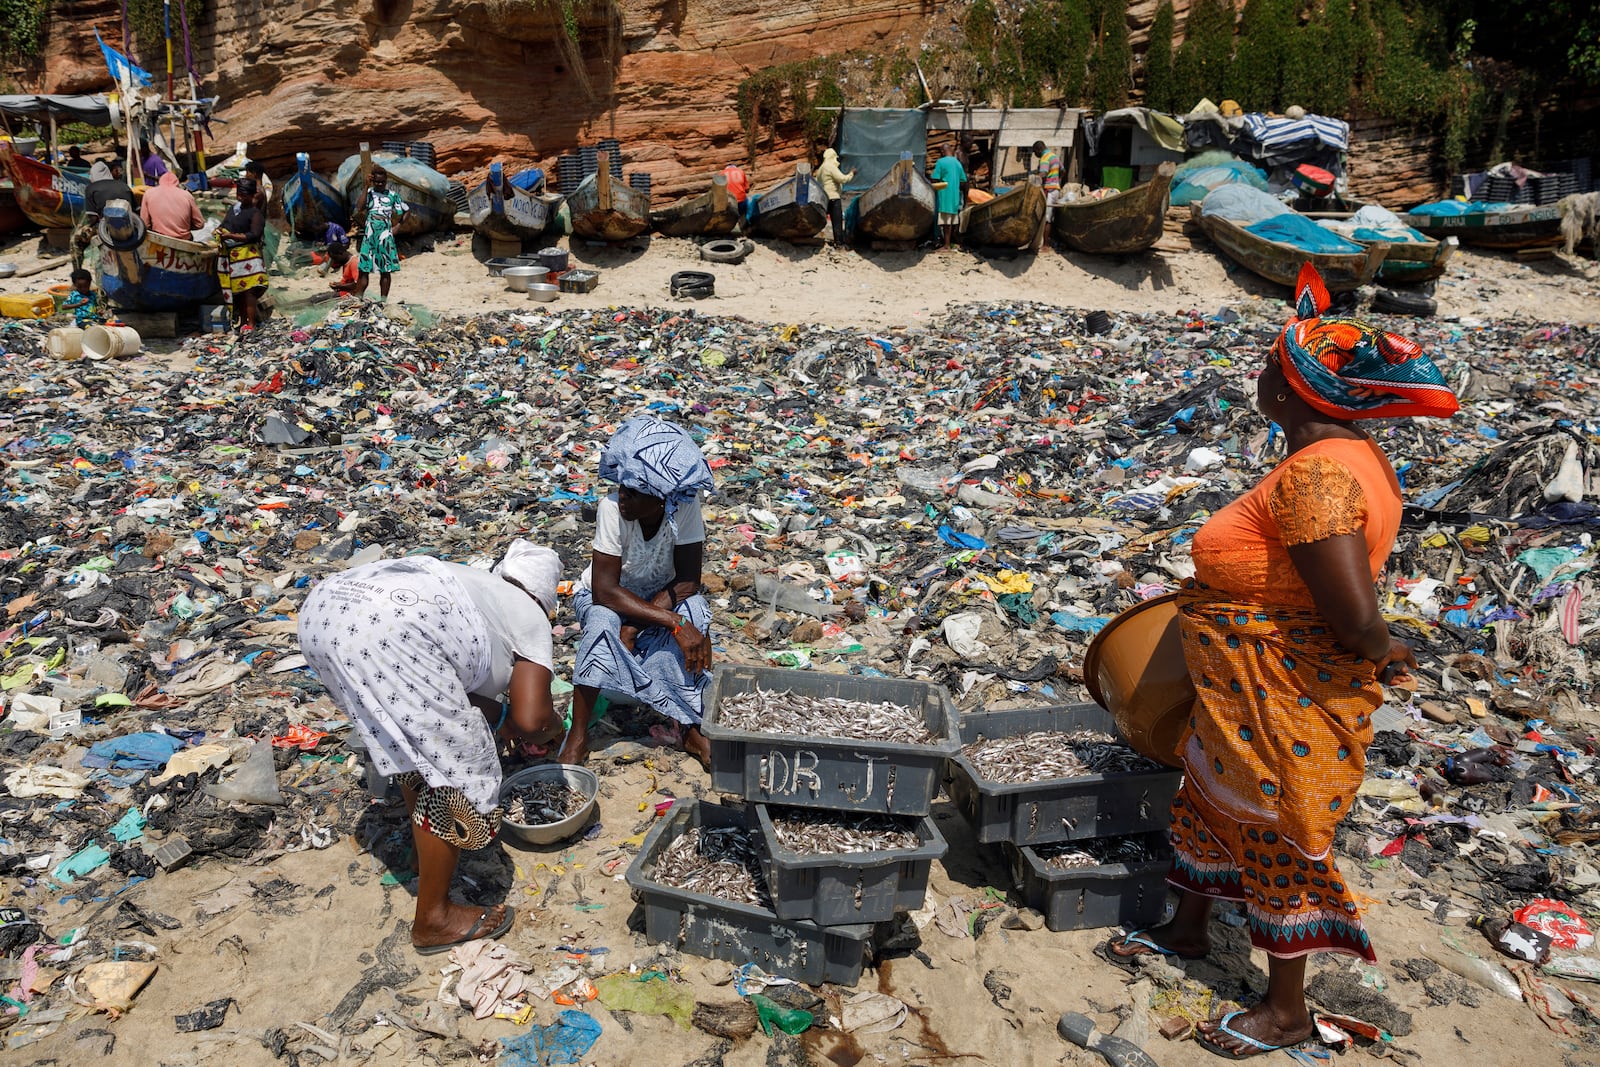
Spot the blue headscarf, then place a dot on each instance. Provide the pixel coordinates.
(656, 458)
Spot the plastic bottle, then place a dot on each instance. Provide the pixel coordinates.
(1487, 974)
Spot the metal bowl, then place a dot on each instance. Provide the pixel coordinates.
(580, 778)
(519, 278)
(543, 291)
(7, 269)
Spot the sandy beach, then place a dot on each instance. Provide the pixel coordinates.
(321, 937)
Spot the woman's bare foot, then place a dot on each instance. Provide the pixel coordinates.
(696, 744)
(456, 924)
(1179, 943)
(1262, 1024)
(574, 751)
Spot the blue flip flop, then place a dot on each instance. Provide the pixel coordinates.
(1252, 1046)
(1142, 938)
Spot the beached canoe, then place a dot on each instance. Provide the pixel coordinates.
(1524, 227)
(1127, 222)
(51, 197)
(1413, 262)
(425, 191)
(1280, 262)
(712, 213)
(141, 270)
(794, 208)
(503, 211)
(898, 207)
(1011, 220)
(605, 209)
(311, 201)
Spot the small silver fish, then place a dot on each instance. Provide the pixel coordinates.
(769, 712)
(822, 833)
(1046, 754)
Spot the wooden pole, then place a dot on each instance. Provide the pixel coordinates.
(602, 181)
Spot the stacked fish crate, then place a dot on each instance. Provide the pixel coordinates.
(1081, 816)
(838, 774)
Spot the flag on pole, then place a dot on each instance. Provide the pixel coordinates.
(122, 71)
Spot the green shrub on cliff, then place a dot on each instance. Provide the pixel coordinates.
(1158, 85)
(22, 27)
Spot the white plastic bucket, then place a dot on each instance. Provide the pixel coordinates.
(110, 342)
(65, 342)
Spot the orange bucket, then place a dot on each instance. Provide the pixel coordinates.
(1135, 669)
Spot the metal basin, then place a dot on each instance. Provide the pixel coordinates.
(543, 291)
(580, 778)
(518, 279)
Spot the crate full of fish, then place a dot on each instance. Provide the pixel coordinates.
(698, 878)
(837, 741)
(836, 868)
(1032, 776)
(1086, 885)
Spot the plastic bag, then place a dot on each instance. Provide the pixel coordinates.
(791, 1021)
(653, 996)
(256, 782)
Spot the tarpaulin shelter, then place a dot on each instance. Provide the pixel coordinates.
(872, 138)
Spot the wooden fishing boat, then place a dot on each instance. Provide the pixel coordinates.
(502, 211)
(604, 209)
(51, 197)
(12, 219)
(1413, 262)
(311, 201)
(1280, 262)
(425, 191)
(712, 213)
(1011, 220)
(794, 208)
(900, 206)
(141, 270)
(1525, 227)
(1128, 222)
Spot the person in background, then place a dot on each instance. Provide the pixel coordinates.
(255, 170)
(948, 178)
(380, 210)
(74, 158)
(84, 302)
(170, 209)
(433, 661)
(738, 184)
(1047, 165)
(103, 188)
(833, 180)
(340, 259)
(1288, 649)
(646, 626)
(245, 267)
(153, 166)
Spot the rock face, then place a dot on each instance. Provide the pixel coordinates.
(501, 81)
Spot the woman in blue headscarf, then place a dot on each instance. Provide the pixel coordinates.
(646, 628)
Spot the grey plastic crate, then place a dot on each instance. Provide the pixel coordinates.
(834, 889)
(739, 933)
(1057, 809)
(821, 772)
(1087, 898)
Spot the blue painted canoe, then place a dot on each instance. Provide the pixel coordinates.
(506, 211)
(311, 201)
(141, 270)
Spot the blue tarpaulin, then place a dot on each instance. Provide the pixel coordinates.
(872, 138)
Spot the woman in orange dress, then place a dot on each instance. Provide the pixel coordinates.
(1287, 648)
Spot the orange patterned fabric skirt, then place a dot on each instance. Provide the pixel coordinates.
(1275, 754)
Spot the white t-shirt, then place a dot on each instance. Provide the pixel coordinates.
(518, 626)
(647, 566)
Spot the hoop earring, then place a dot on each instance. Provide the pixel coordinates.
(1282, 399)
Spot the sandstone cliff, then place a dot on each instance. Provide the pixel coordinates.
(500, 81)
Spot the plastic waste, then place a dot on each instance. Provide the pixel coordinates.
(785, 596)
(255, 783)
(653, 995)
(1484, 972)
(791, 1021)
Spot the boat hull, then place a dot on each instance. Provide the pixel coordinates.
(425, 191)
(712, 213)
(1129, 222)
(48, 196)
(1530, 227)
(502, 212)
(1280, 263)
(160, 273)
(1010, 220)
(312, 202)
(900, 206)
(795, 208)
(604, 209)
(1413, 262)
